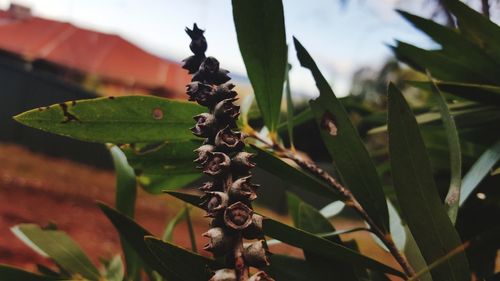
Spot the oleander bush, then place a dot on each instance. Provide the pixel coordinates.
(429, 196)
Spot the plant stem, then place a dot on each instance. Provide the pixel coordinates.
(348, 199)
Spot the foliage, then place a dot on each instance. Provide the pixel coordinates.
(151, 145)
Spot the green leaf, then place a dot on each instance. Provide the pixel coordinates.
(478, 28)
(456, 47)
(414, 256)
(417, 193)
(292, 269)
(167, 165)
(126, 193)
(114, 270)
(178, 263)
(169, 229)
(260, 28)
(309, 219)
(127, 119)
(132, 233)
(315, 244)
(9, 273)
(58, 246)
(487, 94)
(453, 196)
(345, 146)
(299, 119)
(292, 175)
(479, 170)
(194, 200)
(289, 107)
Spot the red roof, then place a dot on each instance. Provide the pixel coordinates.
(108, 56)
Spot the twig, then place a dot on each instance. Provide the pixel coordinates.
(348, 199)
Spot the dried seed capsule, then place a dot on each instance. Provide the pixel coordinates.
(260, 276)
(199, 92)
(254, 230)
(242, 188)
(243, 161)
(216, 163)
(228, 140)
(238, 216)
(256, 255)
(203, 153)
(204, 125)
(208, 186)
(214, 201)
(209, 72)
(192, 63)
(219, 243)
(224, 274)
(224, 91)
(198, 42)
(226, 110)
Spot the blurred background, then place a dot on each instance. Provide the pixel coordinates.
(58, 50)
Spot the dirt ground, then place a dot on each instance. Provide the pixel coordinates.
(39, 189)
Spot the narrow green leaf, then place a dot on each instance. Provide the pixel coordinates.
(194, 200)
(478, 28)
(179, 264)
(417, 193)
(486, 94)
(299, 119)
(414, 256)
(260, 28)
(292, 269)
(166, 165)
(126, 193)
(132, 232)
(192, 237)
(453, 196)
(9, 273)
(114, 270)
(289, 106)
(345, 146)
(59, 247)
(479, 170)
(456, 47)
(292, 175)
(169, 229)
(315, 244)
(127, 119)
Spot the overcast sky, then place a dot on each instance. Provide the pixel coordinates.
(341, 37)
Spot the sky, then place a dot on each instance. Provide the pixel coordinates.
(341, 35)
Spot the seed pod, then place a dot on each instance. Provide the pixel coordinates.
(192, 63)
(224, 274)
(219, 242)
(216, 163)
(254, 230)
(199, 92)
(208, 186)
(214, 201)
(243, 161)
(210, 73)
(204, 125)
(203, 153)
(224, 91)
(242, 188)
(256, 255)
(226, 110)
(238, 216)
(260, 276)
(198, 42)
(227, 140)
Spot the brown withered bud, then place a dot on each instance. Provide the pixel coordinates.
(214, 201)
(228, 140)
(254, 230)
(192, 63)
(260, 276)
(203, 153)
(208, 186)
(242, 188)
(218, 243)
(238, 216)
(210, 72)
(198, 42)
(256, 255)
(224, 91)
(216, 163)
(224, 274)
(199, 92)
(226, 110)
(243, 161)
(204, 125)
